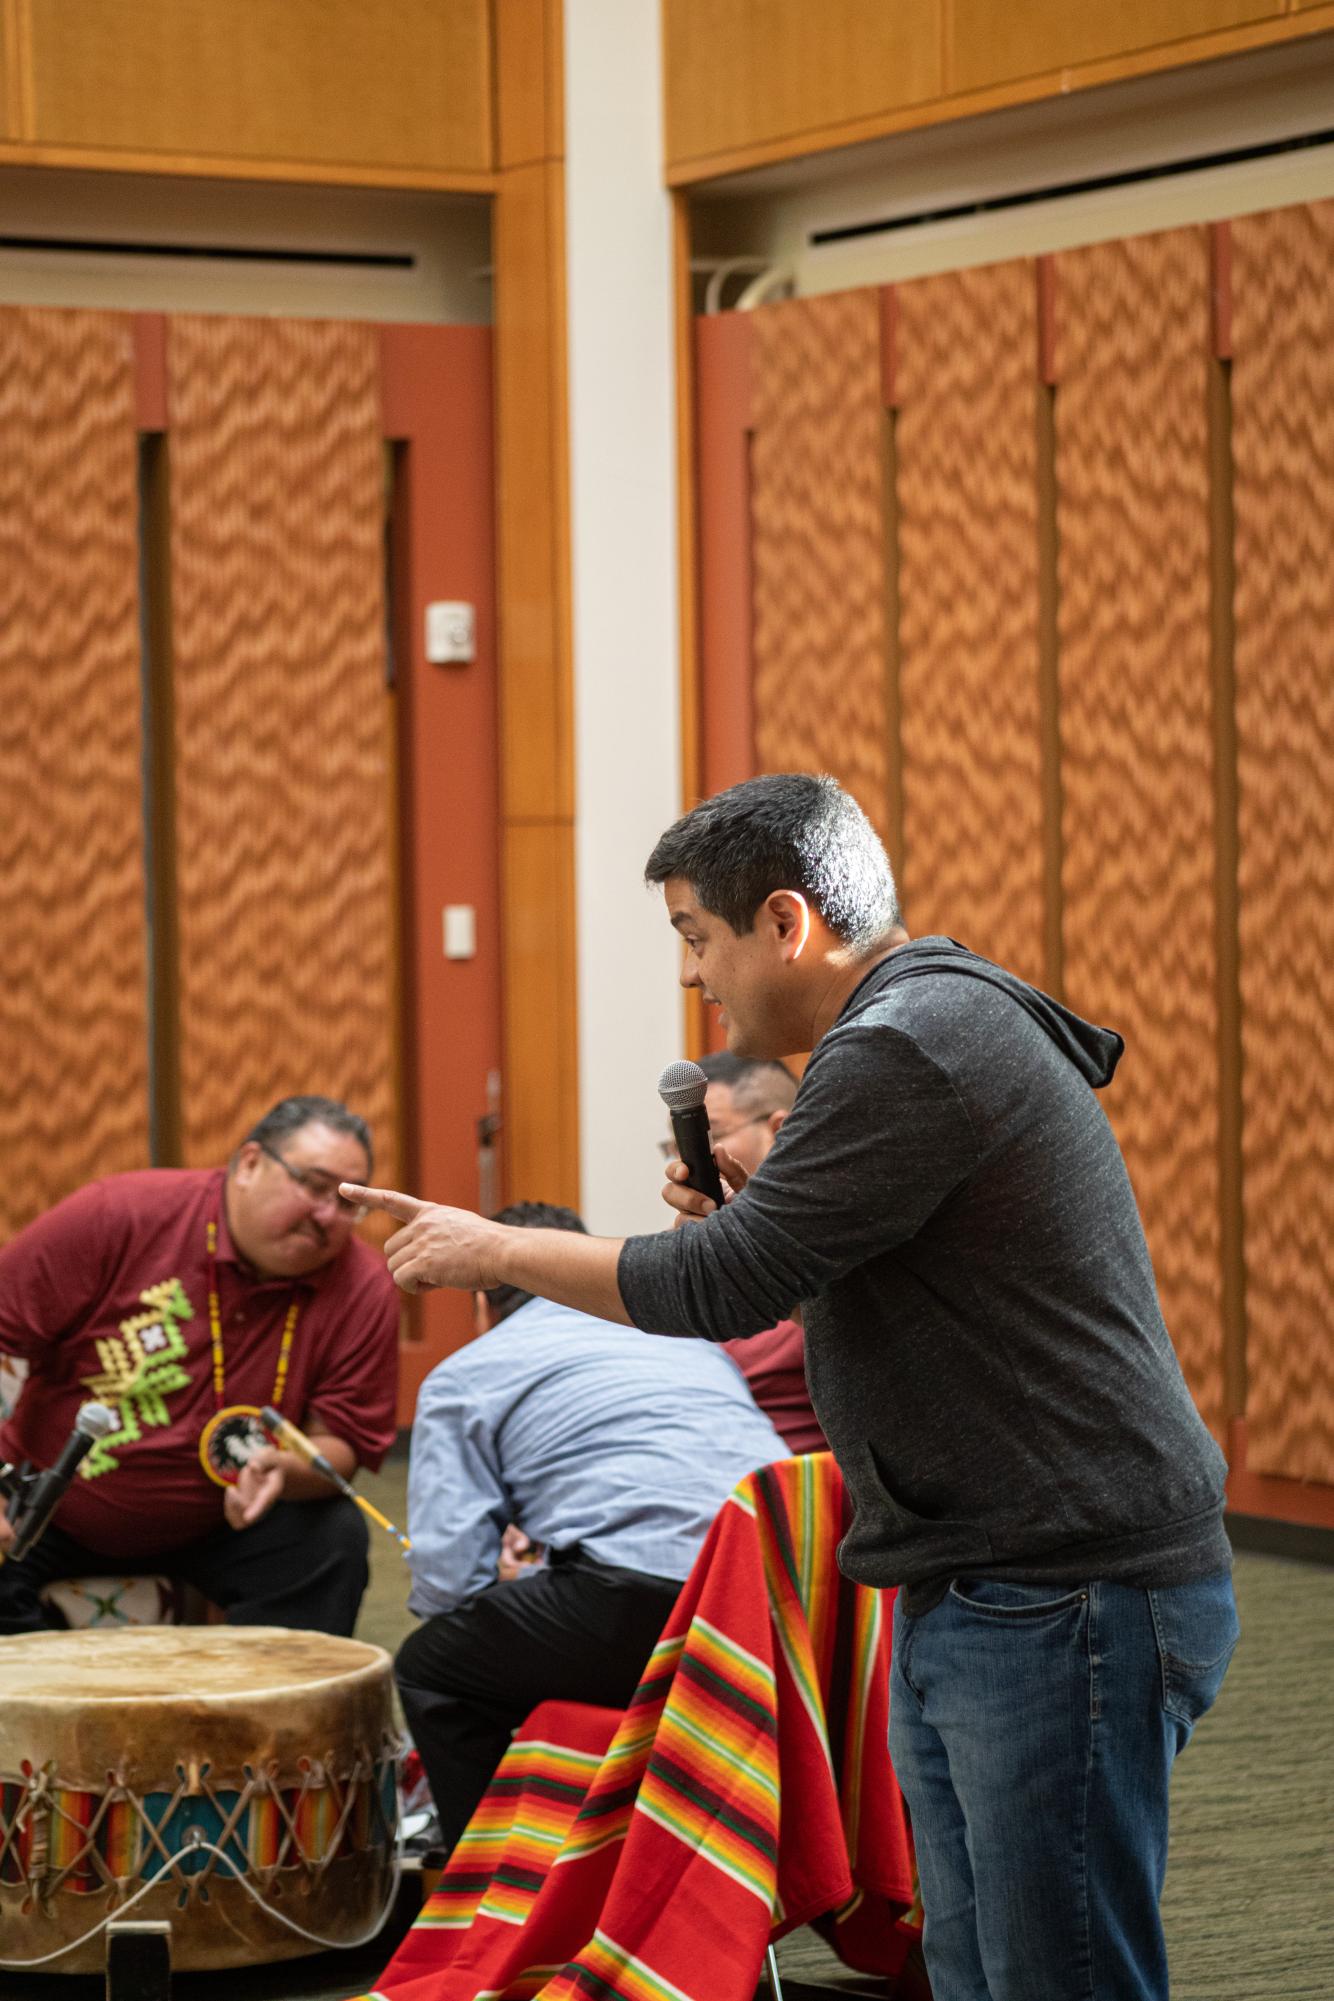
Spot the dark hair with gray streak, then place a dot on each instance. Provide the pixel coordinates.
(788, 831)
(289, 1115)
(759, 1084)
(503, 1300)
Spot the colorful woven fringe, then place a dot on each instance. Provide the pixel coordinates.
(747, 1790)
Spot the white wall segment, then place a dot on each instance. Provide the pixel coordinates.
(623, 528)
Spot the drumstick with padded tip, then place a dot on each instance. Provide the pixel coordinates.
(286, 1433)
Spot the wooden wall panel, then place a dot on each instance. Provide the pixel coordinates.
(533, 583)
(532, 474)
(73, 1029)
(333, 81)
(818, 552)
(1283, 445)
(965, 383)
(530, 81)
(1137, 738)
(11, 117)
(283, 795)
(541, 1147)
(723, 360)
(749, 82)
(738, 72)
(991, 44)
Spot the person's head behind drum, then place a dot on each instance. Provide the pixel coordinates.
(284, 1212)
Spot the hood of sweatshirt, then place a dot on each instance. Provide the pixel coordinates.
(1094, 1051)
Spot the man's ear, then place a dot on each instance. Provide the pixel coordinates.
(481, 1313)
(775, 1121)
(790, 915)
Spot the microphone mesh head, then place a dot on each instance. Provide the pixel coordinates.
(95, 1420)
(682, 1086)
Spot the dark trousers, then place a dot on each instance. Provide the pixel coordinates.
(302, 1565)
(577, 1632)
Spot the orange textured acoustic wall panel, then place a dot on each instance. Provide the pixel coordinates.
(282, 730)
(965, 384)
(73, 1034)
(1283, 451)
(1131, 357)
(818, 543)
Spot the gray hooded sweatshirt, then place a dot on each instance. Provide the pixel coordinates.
(984, 1342)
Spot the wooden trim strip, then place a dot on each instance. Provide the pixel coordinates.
(1220, 286)
(25, 153)
(1227, 917)
(723, 344)
(695, 1024)
(9, 39)
(895, 807)
(150, 371)
(165, 998)
(889, 346)
(25, 79)
(1047, 321)
(1049, 645)
(687, 523)
(1306, 1502)
(1049, 696)
(149, 347)
(539, 941)
(895, 804)
(689, 172)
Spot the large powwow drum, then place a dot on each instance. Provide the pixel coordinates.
(238, 1781)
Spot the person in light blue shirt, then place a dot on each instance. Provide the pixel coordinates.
(608, 1448)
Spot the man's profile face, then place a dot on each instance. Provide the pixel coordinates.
(738, 973)
(285, 1226)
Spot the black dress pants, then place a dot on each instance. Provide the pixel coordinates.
(577, 1631)
(303, 1564)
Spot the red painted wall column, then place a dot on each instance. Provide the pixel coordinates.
(436, 394)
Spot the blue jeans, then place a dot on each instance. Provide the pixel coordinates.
(1033, 1729)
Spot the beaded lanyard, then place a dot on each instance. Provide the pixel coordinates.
(215, 1332)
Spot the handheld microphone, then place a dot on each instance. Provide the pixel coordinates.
(47, 1490)
(682, 1087)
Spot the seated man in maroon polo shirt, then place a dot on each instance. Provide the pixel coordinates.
(746, 1102)
(186, 1299)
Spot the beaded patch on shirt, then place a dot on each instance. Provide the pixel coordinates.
(140, 1369)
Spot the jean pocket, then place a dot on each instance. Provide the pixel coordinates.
(998, 1598)
(1196, 1628)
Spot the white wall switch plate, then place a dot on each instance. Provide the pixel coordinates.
(451, 633)
(460, 931)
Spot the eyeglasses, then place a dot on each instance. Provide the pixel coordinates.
(668, 1148)
(316, 1187)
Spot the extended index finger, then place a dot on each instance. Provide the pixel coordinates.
(391, 1200)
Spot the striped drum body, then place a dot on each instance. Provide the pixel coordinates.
(238, 1781)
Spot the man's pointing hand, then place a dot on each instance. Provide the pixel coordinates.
(436, 1246)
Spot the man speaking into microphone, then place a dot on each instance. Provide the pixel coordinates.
(988, 1359)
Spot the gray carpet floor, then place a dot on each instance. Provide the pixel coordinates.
(1249, 1905)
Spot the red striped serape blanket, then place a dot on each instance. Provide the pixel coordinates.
(651, 1855)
